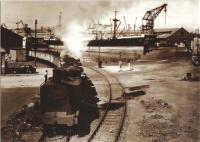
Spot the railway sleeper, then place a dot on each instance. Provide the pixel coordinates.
(112, 119)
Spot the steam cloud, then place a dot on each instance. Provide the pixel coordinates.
(85, 13)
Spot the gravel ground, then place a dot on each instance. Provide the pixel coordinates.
(24, 80)
(18, 89)
(13, 99)
(168, 110)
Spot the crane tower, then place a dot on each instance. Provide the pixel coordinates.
(150, 16)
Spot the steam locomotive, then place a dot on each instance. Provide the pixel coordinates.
(60, 95)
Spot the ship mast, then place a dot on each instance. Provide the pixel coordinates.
(115, 25)
(59, 24)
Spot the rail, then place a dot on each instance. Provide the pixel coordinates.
(106, 110)
(124, 114)
(122, 121)
(117, 135)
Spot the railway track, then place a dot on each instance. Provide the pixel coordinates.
(110, 125)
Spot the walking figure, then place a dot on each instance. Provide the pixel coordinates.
(120, 65)
(46, 75)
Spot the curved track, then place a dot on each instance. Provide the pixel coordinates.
(110, 125)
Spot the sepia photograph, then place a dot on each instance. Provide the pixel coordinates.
(100, 70)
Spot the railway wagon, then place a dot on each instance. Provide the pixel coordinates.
(47, 57)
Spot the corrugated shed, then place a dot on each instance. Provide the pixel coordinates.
(164, 36)
(166, 32)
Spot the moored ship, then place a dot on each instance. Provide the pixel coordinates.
(145, 37)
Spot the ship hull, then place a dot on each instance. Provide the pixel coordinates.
(118, 42)
(145, 40)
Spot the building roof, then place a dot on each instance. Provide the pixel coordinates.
(2, 50)
(9, 39)
(5, 30)
(166, 32)
(163, 30)
(164, 35)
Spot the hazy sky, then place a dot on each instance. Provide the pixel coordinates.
(180, 13)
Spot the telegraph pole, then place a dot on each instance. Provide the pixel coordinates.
(35, 39)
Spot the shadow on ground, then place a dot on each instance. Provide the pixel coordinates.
(26, 124)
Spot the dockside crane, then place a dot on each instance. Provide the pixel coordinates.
(25, 28)
(150, 16)
(18, 23)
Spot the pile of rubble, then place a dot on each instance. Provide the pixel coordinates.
(159, 131)
(155, 124)
(155, 105)
(160, 125)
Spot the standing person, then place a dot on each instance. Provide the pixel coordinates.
(46, 75)
(129, 65)
(120, 65)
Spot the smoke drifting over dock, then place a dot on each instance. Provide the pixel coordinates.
(86, 13)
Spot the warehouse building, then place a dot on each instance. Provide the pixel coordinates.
(13, 45)
(2, 63)
(10, 39)
(173, 37)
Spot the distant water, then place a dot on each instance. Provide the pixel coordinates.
(113, 54)
(115, 48)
